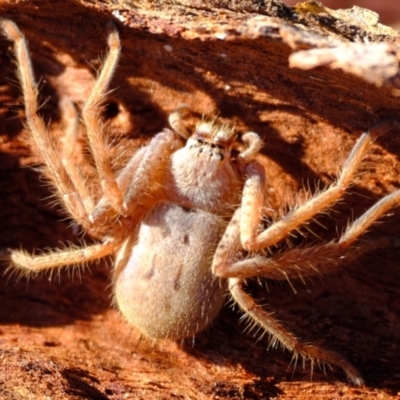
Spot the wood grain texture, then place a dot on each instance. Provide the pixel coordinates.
(60, 338)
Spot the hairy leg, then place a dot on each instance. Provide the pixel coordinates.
(142, 177)
(71, 151)
(253, 199)
(286, 338)
(27, 263)
(53, 166)
(243, 232)
(91, 115)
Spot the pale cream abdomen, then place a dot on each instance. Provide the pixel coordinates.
(166, 288)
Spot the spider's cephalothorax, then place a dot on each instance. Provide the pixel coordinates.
(186, 206)
(203, 174)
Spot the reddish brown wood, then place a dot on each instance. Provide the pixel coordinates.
(60, 339)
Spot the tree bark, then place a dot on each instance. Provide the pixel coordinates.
(309, 80)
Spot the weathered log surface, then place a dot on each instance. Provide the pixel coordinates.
(60, 339)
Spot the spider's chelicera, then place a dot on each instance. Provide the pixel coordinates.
(189, 209)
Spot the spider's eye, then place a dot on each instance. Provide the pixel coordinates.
(221, 136)
(224, 138)
(203, 132)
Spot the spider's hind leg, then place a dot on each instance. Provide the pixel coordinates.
(286, 338)
(53, 166)
(33, 264)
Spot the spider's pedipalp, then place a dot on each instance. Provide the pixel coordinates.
(254, 145)
(175, 120)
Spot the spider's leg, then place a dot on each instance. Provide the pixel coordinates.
(46, 147)
(140, 181)
(27, 263)
(361, 224)
(298, 263)
(253, 240)
(282, 266)
(286, 338)
(91, 115)
(301, 262)
(70, 150)
(149, 168)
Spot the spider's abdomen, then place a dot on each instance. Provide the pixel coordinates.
(164, 285)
